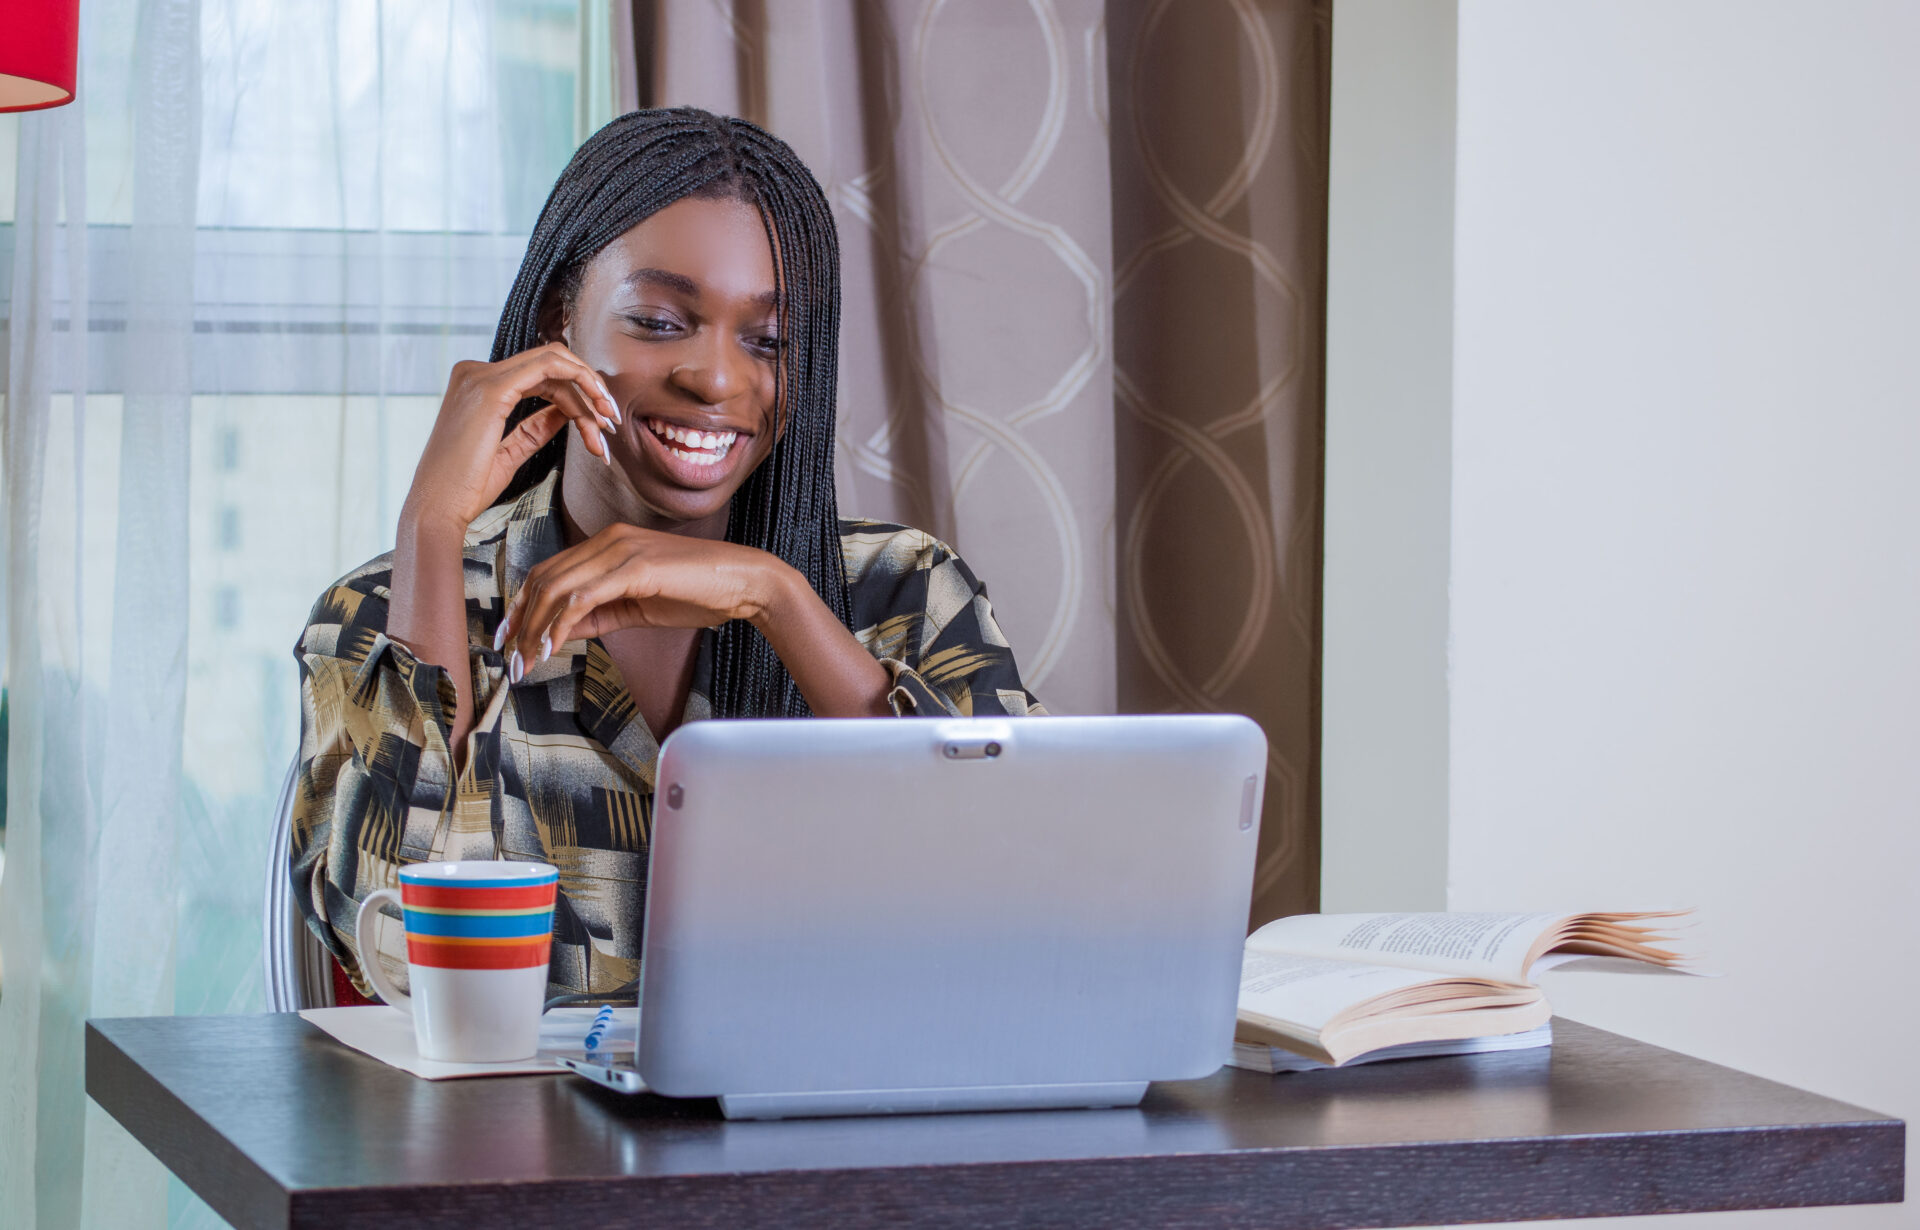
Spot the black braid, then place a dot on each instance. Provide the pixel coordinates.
(632, 168)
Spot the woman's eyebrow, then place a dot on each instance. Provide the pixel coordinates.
(660, 277)
(680, 283)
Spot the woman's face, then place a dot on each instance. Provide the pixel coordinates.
(677, 316)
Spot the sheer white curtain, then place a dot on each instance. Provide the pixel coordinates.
(239, 269)
(96, 638)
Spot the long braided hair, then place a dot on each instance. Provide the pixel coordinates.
(632, 168)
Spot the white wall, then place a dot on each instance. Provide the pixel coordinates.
(1684, 606)
(1384, 629)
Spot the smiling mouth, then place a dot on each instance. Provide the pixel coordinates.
(700, 448)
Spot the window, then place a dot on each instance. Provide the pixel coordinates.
(368, 175)
(226, 608)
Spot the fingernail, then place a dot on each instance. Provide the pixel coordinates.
(606, 454)
(500, 637)
(546, 648)
(515, 667)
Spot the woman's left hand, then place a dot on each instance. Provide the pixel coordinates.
(628, 577)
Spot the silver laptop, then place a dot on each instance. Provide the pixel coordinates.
(878, 916)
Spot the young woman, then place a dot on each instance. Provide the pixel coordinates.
(624, 522)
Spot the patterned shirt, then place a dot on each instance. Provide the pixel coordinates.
(560, 766)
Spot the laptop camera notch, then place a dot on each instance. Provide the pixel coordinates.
(971, 749)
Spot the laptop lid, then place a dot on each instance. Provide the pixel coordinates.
(875, 904)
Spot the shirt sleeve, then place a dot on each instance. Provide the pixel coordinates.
(375, 775)
(923, 613)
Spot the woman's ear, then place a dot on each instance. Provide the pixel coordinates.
(552, 323)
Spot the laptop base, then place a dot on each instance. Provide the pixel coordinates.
(931, 1101)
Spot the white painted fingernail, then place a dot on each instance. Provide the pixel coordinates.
(546, 648)
(515, 667)
(606, 454)
(500, 637)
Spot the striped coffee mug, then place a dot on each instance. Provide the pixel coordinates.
(478, 936)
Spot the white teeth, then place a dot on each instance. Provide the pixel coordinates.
(705, 442)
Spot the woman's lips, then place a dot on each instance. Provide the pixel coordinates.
(693, 457)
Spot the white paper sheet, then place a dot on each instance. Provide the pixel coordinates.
(387, 1034)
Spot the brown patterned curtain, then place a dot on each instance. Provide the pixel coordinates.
(1084, 253)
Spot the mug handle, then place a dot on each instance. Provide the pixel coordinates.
(369, 955)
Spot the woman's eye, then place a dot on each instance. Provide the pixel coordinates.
(766, 343)
(652, 324)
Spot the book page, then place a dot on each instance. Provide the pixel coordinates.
(1477, 945)
(1308, 992)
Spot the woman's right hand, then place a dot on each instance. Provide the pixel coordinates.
(468, 462)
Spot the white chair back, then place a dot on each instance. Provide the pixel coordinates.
(299, 969)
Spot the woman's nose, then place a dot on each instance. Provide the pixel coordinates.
(714, 371)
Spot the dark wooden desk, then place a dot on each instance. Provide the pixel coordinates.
(275, 1124)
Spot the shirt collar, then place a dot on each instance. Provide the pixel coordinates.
(534, 532)
(602, 705)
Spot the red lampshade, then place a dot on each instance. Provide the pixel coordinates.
(39, 42)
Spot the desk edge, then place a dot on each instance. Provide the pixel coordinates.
(217, 1170)
(1393, 1184)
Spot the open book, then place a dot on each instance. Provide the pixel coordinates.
(1258, 1057)
(1334, 987)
